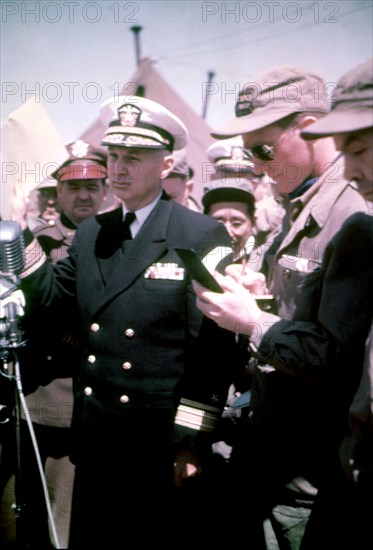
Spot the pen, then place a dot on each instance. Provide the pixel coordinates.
(243, 264)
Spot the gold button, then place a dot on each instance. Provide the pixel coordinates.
(91, 359)
(124, 399)
(126, 365)
(88, 390)
(95, 327)
(129, 332)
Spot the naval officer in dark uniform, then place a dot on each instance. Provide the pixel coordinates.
(154, 373)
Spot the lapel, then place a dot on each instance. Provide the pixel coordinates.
(120, 268)
(107, 246)
(305, 219)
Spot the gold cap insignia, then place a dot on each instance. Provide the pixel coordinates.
(128, 115)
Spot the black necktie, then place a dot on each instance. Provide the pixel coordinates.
(125, 229)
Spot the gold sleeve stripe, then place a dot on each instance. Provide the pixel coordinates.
(34, 258)
(197, 405)
(200, 419)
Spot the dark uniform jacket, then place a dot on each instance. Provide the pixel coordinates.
(53, 341)
(146, 345)
(315, 352)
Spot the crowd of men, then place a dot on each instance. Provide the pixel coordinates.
(179, 405)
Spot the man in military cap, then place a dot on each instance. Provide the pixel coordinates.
(81, 191)
(233, 178)
(53, 349)
(297, 416)
(349, 496)
(179, 182)
(146, 399)
(229, 195)
(229, 199)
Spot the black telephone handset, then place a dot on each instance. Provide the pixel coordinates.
(200, 273)
(197, 269)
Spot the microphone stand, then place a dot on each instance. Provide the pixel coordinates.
(12, 302)
(11, 307)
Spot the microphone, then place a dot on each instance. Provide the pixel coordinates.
(12, 300)
(12, 248)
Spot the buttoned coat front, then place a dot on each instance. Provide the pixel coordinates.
(142, 335)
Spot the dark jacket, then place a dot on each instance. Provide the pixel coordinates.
(302, 406)
(145, 343)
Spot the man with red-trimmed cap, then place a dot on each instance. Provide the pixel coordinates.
(52, 351)
(81, 191)
(146, 400)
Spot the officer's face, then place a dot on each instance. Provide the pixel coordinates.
(47, 202)
(235, 217)
(357, 148)
(136, 174)
(291, 160)
(80, 199)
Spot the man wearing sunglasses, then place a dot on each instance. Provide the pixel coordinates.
(296, 411)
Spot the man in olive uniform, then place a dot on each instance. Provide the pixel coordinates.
(300, 385)
(154, 373)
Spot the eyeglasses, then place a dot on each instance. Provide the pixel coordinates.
(262, 152)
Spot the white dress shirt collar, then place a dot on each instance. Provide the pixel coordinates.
(141, 215)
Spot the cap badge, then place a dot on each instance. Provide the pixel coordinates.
(79, 148)
(248, 99)
(129, 115)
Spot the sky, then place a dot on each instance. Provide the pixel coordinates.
(74, 55)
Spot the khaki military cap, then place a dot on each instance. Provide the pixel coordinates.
(352, 105)
(273, 95)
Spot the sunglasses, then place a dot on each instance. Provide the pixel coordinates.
(267, 152)
(262, 152)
